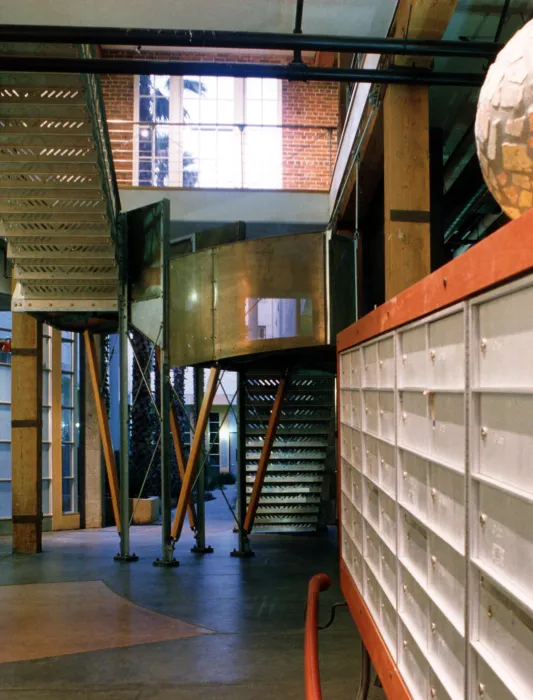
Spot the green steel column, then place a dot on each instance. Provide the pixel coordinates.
(244, 543)
(124, 555)
(167, 547)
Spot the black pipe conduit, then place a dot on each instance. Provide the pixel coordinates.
(175, 38)
(121, 66)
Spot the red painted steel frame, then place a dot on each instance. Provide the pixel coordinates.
(504, 255)
(319, 583)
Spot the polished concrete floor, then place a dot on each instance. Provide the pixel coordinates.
(254, 609)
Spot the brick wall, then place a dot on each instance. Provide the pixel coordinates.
(119, 99)
(308, 155)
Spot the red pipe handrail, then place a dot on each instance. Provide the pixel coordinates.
(319, 583)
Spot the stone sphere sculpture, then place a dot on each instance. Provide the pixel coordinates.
(504, 125)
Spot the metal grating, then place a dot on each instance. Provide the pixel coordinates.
(58, 197)
(291, 498)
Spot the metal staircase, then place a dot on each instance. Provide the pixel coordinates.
(58, 195)
(291, 498)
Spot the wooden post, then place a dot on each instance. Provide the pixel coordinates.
(196, 448)
(407, 198)
(273, 423)
(26, 432)
(179, 450)
(103, 423)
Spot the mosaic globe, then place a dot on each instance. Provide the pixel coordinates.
(504, 125)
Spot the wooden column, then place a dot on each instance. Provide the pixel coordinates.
(26, 432)
(407, 215)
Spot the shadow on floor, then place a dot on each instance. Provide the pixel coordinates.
(255, 607)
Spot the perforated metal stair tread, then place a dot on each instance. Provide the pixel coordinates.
(291, 498)
(58, 199)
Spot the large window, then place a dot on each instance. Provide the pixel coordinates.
(208, 132)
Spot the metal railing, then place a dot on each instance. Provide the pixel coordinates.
(318, 584)
(232, 155)
(96, 108)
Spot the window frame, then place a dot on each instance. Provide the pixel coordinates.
(175, 156)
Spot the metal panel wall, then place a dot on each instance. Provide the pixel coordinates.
(217, 296)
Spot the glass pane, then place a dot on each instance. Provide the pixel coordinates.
(145, 148)
(191, 86)
(226, 88)
(208, 111)
(161, 85)
(254, 114)
(46, 353)
(253, 88)
(66, 425)
(226, 112)
(66, 389)
(146, 109)
(46, 387)
(145, 85)
(67, 499)
(191, 110)
(47, 505)
(5, 320)
(161, 141)
(209, 87)
(66, 356)
(160, 177)
(5, 383)
(5, 499)
(162, 109)
(67, 335)
(46, 424)
(270, 113)
(46, 460)
(270, 89)
(5, 460)
(66, 460)
(5, 422)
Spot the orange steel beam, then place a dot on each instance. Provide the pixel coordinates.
(318, 583)
(265, 454)
(103, 424)
(178, 449)
(196, 447)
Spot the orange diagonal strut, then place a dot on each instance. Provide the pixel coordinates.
(178, 449)
(196, 447)
(265, 454)
(103, 424)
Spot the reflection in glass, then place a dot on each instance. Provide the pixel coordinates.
(278, 318)
(66, 389)
(66, 356)
(5, 499)
(67, 496)
(46, 505)
(66, 460)
(66, 425)
(5, 460)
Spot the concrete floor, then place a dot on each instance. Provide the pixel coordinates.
(255, 607)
